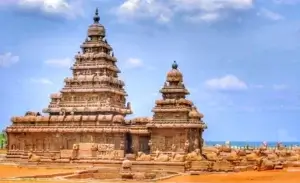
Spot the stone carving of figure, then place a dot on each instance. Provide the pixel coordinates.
(128, 105)
(107, 102)
(173, 147)
(186, 145)
(196, 143)
(121, 145)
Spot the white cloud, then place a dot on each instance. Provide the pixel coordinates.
(144, 9)
(69, 9)
(8, 59)
(164, 10)
(208, 17)
(228, 82)
(134, 63)
(212, 5)
(268, 14)
(65, 62)
(43, 81)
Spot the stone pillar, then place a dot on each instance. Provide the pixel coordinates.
(135, 143)
(201, 139)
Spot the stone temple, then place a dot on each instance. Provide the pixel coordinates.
(87, 118)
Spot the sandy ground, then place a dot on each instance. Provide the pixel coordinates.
(285, 176)
(8, 171)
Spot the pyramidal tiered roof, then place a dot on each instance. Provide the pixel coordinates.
(174, 110)
(95, 87)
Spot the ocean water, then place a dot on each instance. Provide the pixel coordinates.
(251, 144)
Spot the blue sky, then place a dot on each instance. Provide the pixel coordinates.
(239, 57)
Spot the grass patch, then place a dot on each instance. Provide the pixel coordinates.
(2, 140)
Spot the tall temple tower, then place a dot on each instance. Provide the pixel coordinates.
(90, 108)
(95, 87)
(86, 119)
(177, 125)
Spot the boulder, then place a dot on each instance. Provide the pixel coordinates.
(223, 166)
(211, 156)
(201, 165)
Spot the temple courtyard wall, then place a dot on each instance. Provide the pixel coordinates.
(213, 159)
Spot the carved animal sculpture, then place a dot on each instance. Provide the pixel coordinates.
(290, 152)
(209, 149)
(211, 156)
(295, 157)
(224, 148)
(252, 157)
(177, 157)
(266, 152)
(161, 157)
(33, 158)
(272, 156)
(233, 156)
(264, 164)
(281, 153)
(143, 157)
(194, 156)
(241, 152)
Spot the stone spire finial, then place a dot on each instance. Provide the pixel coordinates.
(174, 65)
(96, 17)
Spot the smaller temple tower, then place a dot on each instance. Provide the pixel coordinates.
(177, 126)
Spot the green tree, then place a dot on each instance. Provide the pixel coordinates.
(1, 143)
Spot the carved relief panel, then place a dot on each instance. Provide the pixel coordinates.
(100, 138)
(168, 143)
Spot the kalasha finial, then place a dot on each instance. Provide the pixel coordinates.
(96, 17)
(174, 65)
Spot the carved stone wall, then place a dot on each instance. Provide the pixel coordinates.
(56, 141)
(165, 140)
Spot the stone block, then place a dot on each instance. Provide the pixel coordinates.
(66, 153)
(86, 146)
(201, 165)
(84, 153)
(222, 166)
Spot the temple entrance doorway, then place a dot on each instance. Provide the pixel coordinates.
(128, 143)
(70, 143)
(144, 144)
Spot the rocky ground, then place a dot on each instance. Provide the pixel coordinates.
(216, 159)
(291, 175)
(281, 176)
